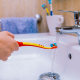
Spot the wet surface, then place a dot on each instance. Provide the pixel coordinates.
(49, 76)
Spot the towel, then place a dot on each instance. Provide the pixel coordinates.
(19, 25)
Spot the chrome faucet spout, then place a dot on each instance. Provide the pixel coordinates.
(69, 30)
(73, 29)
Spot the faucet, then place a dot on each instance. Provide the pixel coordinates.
(71, 29)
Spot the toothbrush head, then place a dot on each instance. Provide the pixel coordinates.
(50, 1)
(44, 6)
(55, 44)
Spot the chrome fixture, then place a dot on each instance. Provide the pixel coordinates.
(38, 17)
(71, 29)
(49, 76)
(76, 17)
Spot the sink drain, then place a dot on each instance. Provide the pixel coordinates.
(49, 76)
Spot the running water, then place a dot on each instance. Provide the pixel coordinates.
(52, 75)
(53, 52)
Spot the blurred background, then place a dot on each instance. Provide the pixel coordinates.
(29, 8)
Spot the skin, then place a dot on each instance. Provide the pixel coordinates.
(7, 45)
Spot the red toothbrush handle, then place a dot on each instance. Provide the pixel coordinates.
(20, 44)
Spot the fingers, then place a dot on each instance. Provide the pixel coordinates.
(9, 34)
(8, 45)
(15, 45)
(6, 55)
(4, 59)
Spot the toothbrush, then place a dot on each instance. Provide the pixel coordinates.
(53, 46)
(45, 8)
(51, 10)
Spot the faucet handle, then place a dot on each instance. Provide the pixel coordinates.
(76, 17)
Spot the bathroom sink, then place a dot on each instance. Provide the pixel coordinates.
(72, 71)
(30, 62)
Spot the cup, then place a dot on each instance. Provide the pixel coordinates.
(53, 22)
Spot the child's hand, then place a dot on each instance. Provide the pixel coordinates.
(7, 45)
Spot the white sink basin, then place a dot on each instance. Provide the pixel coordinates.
(30, 62)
